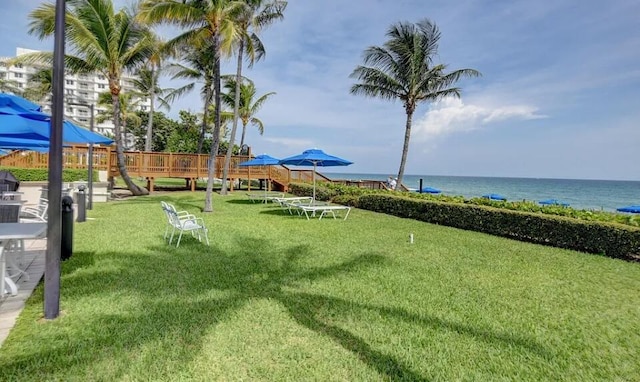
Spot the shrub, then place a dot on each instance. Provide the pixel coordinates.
(613, 240)
(42, 174)
(304, 189)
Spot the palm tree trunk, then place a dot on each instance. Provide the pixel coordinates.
(208, 205)
(135, 190)
(147, 144)
(244, 130)
(205, 115)
(405, 147)
(236, 112)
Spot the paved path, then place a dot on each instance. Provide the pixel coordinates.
(11, 306)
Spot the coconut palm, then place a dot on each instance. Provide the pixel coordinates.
(256, 15)
(147, 81)
(129, 103)
(403, 69)
(208, 23)
(197, 67)
(146, 85)
(103, 40)
(248, 105)
(10, 86)
(39, 86)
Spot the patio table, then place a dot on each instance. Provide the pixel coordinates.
(15, 231)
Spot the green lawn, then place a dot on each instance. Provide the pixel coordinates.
(277, 297)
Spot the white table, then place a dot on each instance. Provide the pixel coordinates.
(16, 231)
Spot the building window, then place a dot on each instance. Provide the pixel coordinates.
(101, 86)
(83, 94)
(69, 110)
(17, 75)
(82, 120)
(69, 82)
(143, 108)
(100, 77)
(68, 91)
(20, 85)
(3, 75)
(19, 66)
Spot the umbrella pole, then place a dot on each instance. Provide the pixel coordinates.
(314, 182)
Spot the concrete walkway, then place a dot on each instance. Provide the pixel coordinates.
(11, 306)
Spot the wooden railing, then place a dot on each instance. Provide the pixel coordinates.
(160, 165)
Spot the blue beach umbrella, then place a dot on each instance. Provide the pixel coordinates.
(261, 160)
(630, 209)
(315, 157)
(429, 190)
(495, 197)
(9, 143)
(553, 202)
(20, 118)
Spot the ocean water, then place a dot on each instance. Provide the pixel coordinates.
(604, 195)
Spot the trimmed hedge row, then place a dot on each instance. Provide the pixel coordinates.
(42, 174)
(612, 240)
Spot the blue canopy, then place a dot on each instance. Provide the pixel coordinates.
(429, 190)
(261, 160)
(494, 197)
(19, 118)
(631, 209)
(553, 202)
(10, 104)
(22, 144)
(315, 157)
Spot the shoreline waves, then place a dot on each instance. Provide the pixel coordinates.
(585, 194)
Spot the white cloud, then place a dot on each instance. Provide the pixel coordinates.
(451, 115)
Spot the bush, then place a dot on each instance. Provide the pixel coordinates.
(304, 189)
(42, 174)
(610, 239)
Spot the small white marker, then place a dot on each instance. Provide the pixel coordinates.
(411, 238)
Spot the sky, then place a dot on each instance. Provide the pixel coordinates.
(559, 95)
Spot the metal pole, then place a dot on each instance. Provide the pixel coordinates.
(54, 226)
(90, 204)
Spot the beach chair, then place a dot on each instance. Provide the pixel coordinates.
(183, 221)
(36, 213)
(311, 210)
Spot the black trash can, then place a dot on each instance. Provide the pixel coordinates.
(8, 182)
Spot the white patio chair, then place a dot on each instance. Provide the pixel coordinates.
(182, 221)
(35, 213)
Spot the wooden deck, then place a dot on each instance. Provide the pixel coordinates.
(153, 165)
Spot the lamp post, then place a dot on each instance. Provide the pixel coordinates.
(90, 153)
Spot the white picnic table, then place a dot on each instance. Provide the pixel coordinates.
(15, 231)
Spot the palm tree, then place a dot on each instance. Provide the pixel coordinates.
(146, 85)
(10, 86)
(248, 105)
(208, 23)
(197, 67)
(254, 16)
(39, 86)
(129, 103)
(102, 40)
(403, 69)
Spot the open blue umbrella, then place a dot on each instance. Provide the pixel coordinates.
(261, 160)
(495, 197)
(22, 144)
(631, 209)
(10, 103)
(553, 202)
(19, 118)
(429, 190)
(315, 157)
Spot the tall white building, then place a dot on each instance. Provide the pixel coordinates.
(79, 89)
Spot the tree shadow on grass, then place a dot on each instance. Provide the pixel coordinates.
(170, 299)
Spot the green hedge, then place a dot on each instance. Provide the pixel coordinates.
(42, 174)
(613, 240)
